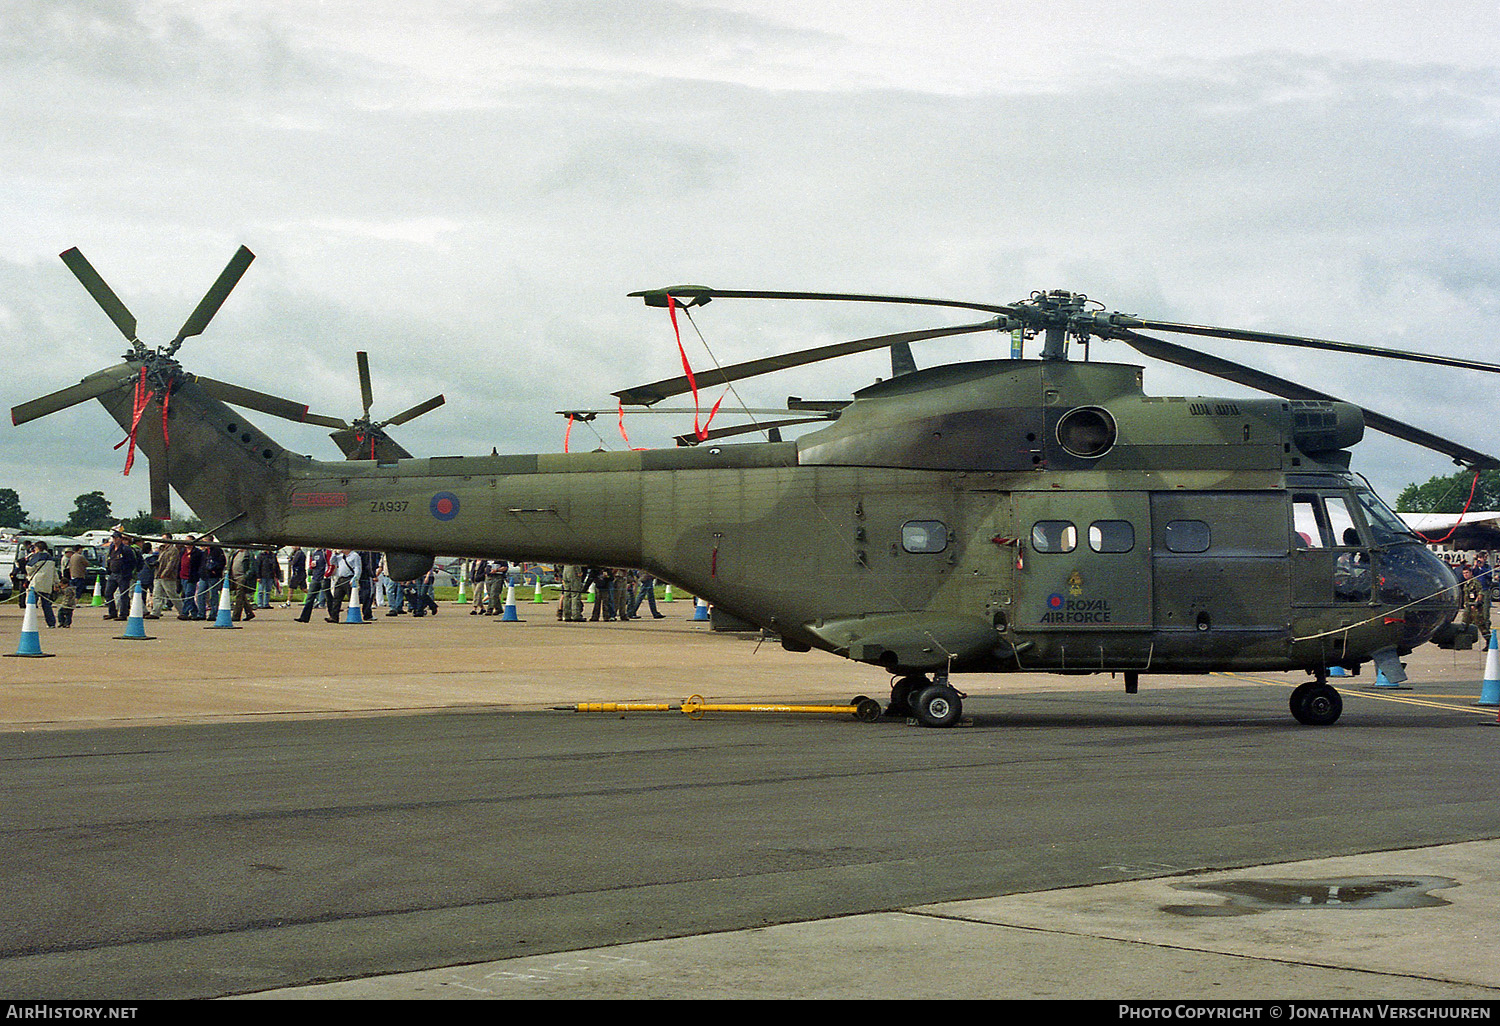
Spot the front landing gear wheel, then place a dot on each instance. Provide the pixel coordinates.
(936, 705)
(1316, 704)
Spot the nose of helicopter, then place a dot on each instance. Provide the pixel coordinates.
(1416, 579)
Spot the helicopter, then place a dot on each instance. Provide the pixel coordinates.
(993, 516)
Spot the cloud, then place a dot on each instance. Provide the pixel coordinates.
(468, 192)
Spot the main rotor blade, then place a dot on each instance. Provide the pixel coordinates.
(742, 429)
(726, 412)
(253, 400)
(645, 395)
(414, 412)
(91, 387)
(215, 296)
(1230, 371)
(1303, 342)
(363, 360)
(697, 295)
(102, 293)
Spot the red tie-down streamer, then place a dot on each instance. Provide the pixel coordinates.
(142, 399)
(700, 430)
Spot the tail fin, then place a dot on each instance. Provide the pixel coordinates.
(226, 469)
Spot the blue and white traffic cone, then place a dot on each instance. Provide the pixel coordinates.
(135, 626)
(510, 615)
(354, 615)
(700, 609)
(1337, 671)
(224, 618)
(31, 642)
(1489, 692)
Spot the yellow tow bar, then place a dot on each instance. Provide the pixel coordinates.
(865, 709)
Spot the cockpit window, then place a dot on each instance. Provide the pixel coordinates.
(1385, 527)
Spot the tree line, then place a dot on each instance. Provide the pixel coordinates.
(91, 512)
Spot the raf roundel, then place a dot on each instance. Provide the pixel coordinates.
(444, 505)
(1054, 601)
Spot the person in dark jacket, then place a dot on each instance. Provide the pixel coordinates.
(189, 579)
(211, 566)
(120, 565)
(317, 583)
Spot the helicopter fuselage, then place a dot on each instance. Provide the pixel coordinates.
(984, 517)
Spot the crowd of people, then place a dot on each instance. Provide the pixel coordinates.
(618, 593)
(187, 578)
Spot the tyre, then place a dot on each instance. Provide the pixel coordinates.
(902, 693)
(937, 705)
(1316, 704)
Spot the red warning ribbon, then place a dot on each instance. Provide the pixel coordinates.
(138, 407)
(701, 430)
(633, 448)
(1467, 502)
(567, 432)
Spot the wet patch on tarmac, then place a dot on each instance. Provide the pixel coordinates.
(1247, 897)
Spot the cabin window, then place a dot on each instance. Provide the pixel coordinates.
(1111, 536)
(1308, 524)
(924, 536)
(1054, 536)
(1187, 536)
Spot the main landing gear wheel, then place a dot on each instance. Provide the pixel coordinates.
(902, 693)
(936, 705)
(1316, 704)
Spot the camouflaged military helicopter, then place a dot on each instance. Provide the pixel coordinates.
(985, 517)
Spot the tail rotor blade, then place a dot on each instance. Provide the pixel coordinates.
(102, 293)
(90, 387)
(363, 360)
(215, 296)
(414, 412)
(328, 422)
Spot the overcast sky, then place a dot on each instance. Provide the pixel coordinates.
(468, 190)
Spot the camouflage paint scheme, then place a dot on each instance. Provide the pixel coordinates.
(805, 538)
